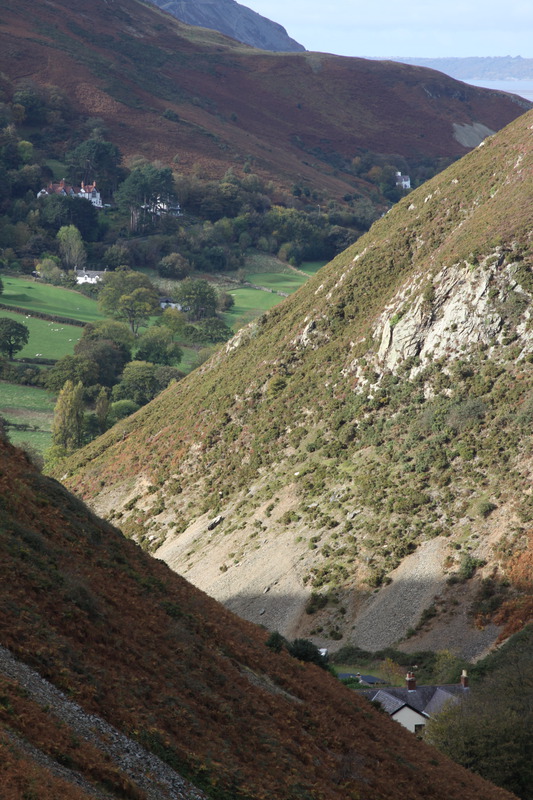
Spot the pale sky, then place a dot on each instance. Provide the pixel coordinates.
(420, 28)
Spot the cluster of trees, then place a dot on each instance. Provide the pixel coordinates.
(490, 732)
(224, 218)
(123, 361)
(104, 376)
(117, 367)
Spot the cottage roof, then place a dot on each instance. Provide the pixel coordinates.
(426, 700)
(388, 702)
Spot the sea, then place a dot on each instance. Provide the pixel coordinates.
(523, 88)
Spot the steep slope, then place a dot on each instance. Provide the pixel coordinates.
(128, 640)
(235, 20)
(374, 427)
(198, 100)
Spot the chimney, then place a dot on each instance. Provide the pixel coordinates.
(464, 679)
(411, 681)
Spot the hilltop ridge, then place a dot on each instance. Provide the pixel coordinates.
(235, 20)
(203, 103)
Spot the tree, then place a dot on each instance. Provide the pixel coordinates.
(57, 210)
(115, 256)
(1, 286)
(305, 650)
(225, 301)
(157, 345)
(146, 193)
(174, 266)
(49, 271)
(111, 330)
(75, 369)
(107, 357)
(102, 407)
(197, 297)
(137, 308)
(119, 410)
(214, 330)
(13, 336)
(142, 381)
(173, 319)
(130, 296)
(71, 247)
(95, 160)
(138, 383)
(67, 427)
(489, 732)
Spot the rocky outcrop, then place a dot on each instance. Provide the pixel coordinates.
(445, 316)
(233, 20)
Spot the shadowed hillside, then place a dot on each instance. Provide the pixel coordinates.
(127, 640)
(370, 432)
(197, 99)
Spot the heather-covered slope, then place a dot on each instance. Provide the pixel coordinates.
(130, 641)
(370, 433)
(200, 101)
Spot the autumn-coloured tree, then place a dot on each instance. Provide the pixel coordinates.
(71, 247)
(67, 427)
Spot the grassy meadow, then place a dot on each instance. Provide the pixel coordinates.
(47, 299)
(28, 405)
(47, 339)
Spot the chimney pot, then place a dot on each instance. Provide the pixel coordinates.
(464, 679)
(411, 681)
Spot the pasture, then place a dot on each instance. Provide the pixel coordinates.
(249, 304)
(286, 282)
(47, 339)
(28, 405)
(47, 299)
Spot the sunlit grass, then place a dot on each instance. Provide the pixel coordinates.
(30, 406)
(49, 299)
(47, 339)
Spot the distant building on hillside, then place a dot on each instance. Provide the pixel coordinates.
(412, 706)
(168, 302)
(403, 181)
(86, 191)
(89, 276)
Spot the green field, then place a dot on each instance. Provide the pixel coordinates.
(312, 266)
(49, 299)
(30, 406)
(34, 407)
(47, 339)
(278, 282)
(249, 304)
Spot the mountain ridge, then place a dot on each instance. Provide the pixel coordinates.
(197, 100)
(234, 20)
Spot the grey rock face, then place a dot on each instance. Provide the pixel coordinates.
(232, 19)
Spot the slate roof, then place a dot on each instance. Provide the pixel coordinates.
(427, 700)
(388, 702)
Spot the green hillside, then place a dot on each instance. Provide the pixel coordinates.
(379, 414)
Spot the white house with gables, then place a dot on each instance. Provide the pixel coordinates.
(86, 191)
(89, 276)
(412, 706)
(403, 181)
